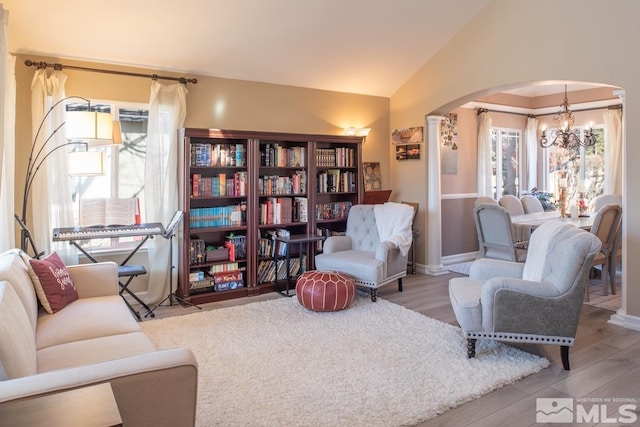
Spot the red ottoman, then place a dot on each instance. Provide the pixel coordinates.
(325, 290)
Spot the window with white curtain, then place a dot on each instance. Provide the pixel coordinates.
(583, 167)
(124, 164)
(505, 161)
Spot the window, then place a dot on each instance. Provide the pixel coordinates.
(505, 161)
(124, 164)
(582, 167)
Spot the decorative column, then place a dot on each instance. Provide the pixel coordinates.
(434, 206)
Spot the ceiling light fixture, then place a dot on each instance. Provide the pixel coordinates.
(565, 136)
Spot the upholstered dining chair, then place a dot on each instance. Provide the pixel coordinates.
(495, 234)
(531, 204)
(538, 301)
(606, 227)
(512, 204)
(604, 199)
(616, 254)
(375, 247)
(485, 200)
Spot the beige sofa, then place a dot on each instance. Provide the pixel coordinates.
(94, 339)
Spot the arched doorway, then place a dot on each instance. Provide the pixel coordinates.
(437, 197)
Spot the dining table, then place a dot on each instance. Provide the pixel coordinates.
(524, 225)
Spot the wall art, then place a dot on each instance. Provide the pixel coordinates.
(449, 144)
(407, 151)
(372, 176)
(407, 135)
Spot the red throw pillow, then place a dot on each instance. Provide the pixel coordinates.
(52, 282)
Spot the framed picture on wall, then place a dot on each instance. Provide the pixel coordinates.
(372, 176)
(408, 152)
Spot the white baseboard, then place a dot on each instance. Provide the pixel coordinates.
(458, 258)
(626, 321)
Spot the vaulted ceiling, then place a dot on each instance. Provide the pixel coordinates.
(357, 46)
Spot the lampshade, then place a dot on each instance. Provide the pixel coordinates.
(93, 127)
(86, 163)
(357, 131)
(117, 133)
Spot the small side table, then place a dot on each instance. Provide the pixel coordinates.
(92, 406)
(300, 240)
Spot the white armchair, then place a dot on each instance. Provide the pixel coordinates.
(538, 301)
(374, 249)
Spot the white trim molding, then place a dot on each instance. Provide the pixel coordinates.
(621, 318)
(434, 217)
(576, 107)
(457, 196)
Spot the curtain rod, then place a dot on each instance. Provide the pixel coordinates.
(610, 107)
(58, 66)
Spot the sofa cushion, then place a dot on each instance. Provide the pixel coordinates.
(54, 286)
(17, 340)
(14, 269)
(93, 350)
(84, 319)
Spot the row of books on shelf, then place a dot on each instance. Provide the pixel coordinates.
(203, 154)
(275, 184)
(335, 180)
(268, 246)
(332, 210)
(277, 155)
(233, 248)
(283, 210)
(217, 282)
(218, 216)
(269, 269)
(343, 157)
(219, 185)
(326, 232)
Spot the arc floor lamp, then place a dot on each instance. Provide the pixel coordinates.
(83, 128)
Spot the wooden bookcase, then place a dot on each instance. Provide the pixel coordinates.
(245, 186)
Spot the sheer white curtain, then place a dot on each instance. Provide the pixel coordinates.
(531, 153)
(167, 112)
(50, 197)
(613, 152)
(7, 138)
(485, 174)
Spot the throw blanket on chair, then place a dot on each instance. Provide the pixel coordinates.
(538, 252)
(394, 224)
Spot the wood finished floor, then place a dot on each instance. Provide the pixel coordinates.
(605, 360)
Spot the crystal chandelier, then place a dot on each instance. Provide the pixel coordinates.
(565, 136)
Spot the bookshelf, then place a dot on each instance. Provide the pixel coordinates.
(240, 189)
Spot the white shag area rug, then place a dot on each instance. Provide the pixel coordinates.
(275, 363)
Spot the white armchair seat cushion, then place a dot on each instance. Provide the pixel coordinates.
(360, 265)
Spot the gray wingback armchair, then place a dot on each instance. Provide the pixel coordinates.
(361, 253)
(538, 301)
